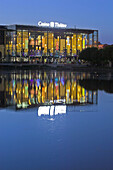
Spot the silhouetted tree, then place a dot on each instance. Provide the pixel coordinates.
(97, 57)
(108, 53)
(89, 54)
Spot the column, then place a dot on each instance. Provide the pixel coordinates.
(76, 43)
(82, 42)
(59, 44)
(34, 44)
(8, 45)
(97, 38)
(28, 44)
(53, 46)
(47, 43)
(71, 47)
(87, 40)
(16, 45)
(5, 44)
(65, 48)
(93, 39)
(21, 44)
(41, 46)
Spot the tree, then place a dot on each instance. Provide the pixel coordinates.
(108, 53)
(97, 57)
(89, 54)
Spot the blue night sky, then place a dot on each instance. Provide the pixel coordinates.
(89, 14)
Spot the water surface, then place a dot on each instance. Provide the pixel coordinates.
(56, 120)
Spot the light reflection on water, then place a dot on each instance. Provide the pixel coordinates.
(36, 88)
(51, 110)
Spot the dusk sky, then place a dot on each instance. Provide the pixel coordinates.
(88, 14)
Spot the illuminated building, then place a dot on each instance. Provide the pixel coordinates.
(23, 42)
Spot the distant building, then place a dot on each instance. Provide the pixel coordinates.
(101, 46)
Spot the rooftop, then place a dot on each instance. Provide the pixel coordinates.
(38, 28)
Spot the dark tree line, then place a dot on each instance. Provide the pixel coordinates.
(99, 57)
(95, 84)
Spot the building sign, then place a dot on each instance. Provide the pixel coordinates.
(52, 24)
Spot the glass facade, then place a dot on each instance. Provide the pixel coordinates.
(31, 43)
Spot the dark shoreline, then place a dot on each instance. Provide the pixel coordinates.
(67, 67)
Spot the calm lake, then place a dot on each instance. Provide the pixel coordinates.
(56, 120)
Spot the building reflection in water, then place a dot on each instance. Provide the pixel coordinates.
(53, 90)
(51, 110)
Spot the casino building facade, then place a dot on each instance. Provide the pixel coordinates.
(21, 42)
